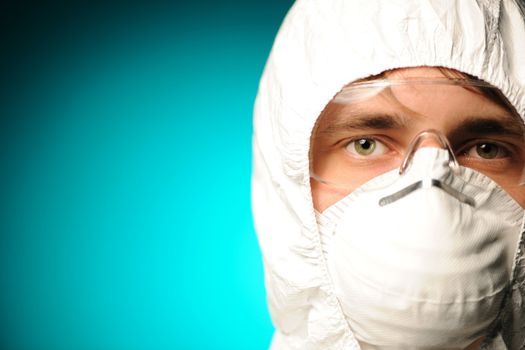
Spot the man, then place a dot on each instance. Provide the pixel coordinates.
(388, 175)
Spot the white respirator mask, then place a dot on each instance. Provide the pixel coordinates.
(421, 257)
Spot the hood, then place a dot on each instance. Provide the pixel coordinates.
(322, 46)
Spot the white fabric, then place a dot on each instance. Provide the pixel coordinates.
(425, 271)
(321, 46)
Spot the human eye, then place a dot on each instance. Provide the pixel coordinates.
(365, 147)
(494, 158)
(486, 150)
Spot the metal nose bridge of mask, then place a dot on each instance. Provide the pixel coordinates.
(442, 142)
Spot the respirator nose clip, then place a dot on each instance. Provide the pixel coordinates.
(429, 138)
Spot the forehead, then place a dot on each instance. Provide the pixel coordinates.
(419, 97)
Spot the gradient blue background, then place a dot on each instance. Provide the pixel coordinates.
(125, 158)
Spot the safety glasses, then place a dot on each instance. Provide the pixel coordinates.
(373, 127)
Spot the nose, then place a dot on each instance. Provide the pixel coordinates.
(430, 142)
(428, 138)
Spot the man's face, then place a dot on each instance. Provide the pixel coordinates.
(361, 140)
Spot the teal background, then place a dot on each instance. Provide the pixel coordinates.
(125, 162)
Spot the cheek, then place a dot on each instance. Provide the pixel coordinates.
(519, 196)
(324, 196)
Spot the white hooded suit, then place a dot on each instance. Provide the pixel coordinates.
(322, 46)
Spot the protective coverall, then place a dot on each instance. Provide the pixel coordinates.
(322, 46)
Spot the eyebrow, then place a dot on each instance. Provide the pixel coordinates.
(501, 126)
(367, 121)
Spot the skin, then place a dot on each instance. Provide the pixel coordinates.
(457, 112)
(467, 118)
